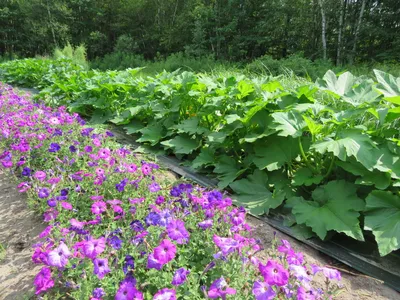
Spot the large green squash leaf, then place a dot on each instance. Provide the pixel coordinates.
(275, 152)
(288, 123)
(227, 171)
(382, 216)
(253, 193)
(389, 86)
(350, 143)
(182, 144)
(335, 207)
(338, 85)
(205, 158)
(152, 133)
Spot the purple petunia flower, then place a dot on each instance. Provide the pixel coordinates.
(274, 273)
(26, 171)
(165, 217)
(98, 293)
(127, 291)
(43, 193)
(180, 276)
(52, 202)
(219, 289)
(54, 147)
(262, 291)
(206, 224)
(129, 264)
(101, 267)
(104, 153)
(152, 219)
(177, 231)
(165, 294)
(136, 225)
(227, 245)
(94, 247)
(59, 256)
(154, 187)
(43, 280)
(115, 242)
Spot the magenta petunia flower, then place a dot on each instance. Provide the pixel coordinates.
(165, 294)
(227, 245)
(76, 224)
(295, 258)
(165, 252)
(46, 231)
(332, 274)
(285, 247)
(104, 153)
(43, 280)
(94, 247)
(40, 175)
(101, 267)
(177, 231)
(59, 256)
(219, 289)
(66, 205)
(131, 168)
(99, 207)
(262, 291)
(180, 276)
(274, 273)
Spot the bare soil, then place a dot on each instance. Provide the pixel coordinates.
(19, 228)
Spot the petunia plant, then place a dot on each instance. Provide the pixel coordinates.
(118, 228)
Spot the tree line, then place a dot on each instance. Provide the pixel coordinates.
(343, 31)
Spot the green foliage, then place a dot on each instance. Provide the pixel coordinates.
(282, 143)
(76, 55)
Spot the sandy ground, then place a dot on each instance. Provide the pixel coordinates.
(19, 228)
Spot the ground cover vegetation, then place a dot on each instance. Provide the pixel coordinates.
(119, 229)
(308, 36)
(325, 153)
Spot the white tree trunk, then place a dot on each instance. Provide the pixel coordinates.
(340, 30)
(323, 23)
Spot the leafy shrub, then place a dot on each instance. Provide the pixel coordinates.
(118, 229)
(76, 55)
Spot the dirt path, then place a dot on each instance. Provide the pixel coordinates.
(19, 228)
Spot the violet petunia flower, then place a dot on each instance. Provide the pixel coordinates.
(94, 247)
(54, 147)
(101, 267)
(219, 289)
(177, 231)
(180, 276)
(43, 193)
(59, 256)
(227, 245)
(165, 294)
(262, 291)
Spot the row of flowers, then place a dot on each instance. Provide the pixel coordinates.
(118, 228)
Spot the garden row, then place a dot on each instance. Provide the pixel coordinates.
(119, 229)
(326, 153)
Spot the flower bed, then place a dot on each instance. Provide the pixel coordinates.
(117, 228)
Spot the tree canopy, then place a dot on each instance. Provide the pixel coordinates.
(340, 30)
